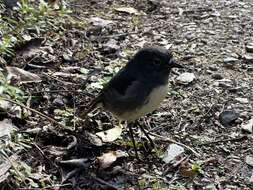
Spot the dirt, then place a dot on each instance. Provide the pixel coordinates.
(202, 35)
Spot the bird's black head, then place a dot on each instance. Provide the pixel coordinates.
(155, 60)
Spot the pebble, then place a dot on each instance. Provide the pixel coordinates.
(185, 78)
(251, 178)
(172, 152)
(249, 160)
(213, 68)
(58, 102)
(248, 127)
(224, 83)
(242, 100)
(248, 57)
(217, 76)
(227, 117)
(250, 69)
(249, 47)
(111, 46)
(230, 60)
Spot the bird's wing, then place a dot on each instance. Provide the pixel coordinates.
(125, 92)
(114, 91)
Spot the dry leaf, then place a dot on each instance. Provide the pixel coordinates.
(22, 76)
(107, 159)
(111, 134)
(6, 127)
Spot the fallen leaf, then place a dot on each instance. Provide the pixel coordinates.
(172, 152)
(6, 127)
(111, 134)
(110, 157)
(5, 166)
(107, 159)
(22, 76)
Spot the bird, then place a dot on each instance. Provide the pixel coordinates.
(138, 88)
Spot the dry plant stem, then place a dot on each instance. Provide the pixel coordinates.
(225, 140)
(35, 111)
(173, 141)
(43, 154)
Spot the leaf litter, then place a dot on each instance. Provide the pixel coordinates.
(200, 35)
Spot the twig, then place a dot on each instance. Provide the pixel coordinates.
(35, 111)
(43, 154)
(224, 140)
(173, 141)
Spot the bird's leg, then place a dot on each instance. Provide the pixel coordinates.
(132, 137)
(146, 134)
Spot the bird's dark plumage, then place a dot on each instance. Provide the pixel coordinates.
(139, 87)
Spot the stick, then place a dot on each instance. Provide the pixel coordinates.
(35, 111)
(173, 141)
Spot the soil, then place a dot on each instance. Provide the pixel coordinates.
(204, 36)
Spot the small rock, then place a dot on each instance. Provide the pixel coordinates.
(111, 46)
(251, 178)
(227, 117)
(224, 83)
(129, 10)
(10, 3)
(249, 47)
(242, 100)
(230, 60)
(97, 21)
(217, 76)
(248, 57)
(249, 160)
(210, 187)
(172, 152)
(213, 68)
(185, 78)
(250, 69)
(248, 127)
(67, 57)
(58, 102)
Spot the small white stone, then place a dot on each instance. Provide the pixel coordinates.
(249, 47)
(251, 178)
(230, 60)
(248, 126)
(249, 160)
(172, 152)
(242, 100)
(185, 78)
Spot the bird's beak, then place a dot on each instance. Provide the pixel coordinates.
(174, 64)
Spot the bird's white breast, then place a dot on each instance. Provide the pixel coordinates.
(153, 101)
